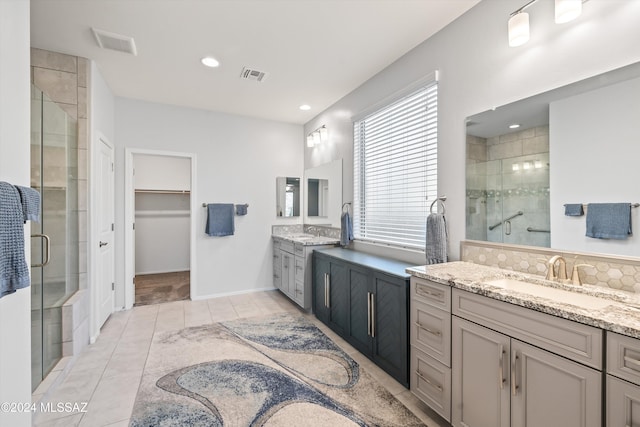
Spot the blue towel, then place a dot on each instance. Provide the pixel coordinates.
(609, 220)
(14, 273)
(241, 209)
(30, 199)
(220, 219)
(346, 229)
(573, 209)
(437, 239)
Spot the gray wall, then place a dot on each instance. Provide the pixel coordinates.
(478, 71)
(15, 309)
(237, 161)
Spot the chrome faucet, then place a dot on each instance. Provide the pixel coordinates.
(562, 268)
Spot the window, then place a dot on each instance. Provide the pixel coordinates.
(395, 170)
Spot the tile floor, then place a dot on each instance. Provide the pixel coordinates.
(106, 375)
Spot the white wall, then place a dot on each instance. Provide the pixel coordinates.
(479, 71)
(238, 160)
(593, 133)
(15, 309)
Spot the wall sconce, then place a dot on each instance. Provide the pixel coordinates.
(318, 136)
(565, 11)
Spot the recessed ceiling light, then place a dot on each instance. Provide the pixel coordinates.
(210, 61)
(514, 126)
(305, 107)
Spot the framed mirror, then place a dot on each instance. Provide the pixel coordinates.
(317, 197)
(287, 196)
(577, 144)
(323, 194)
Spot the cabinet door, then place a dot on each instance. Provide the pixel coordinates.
(480, 376)
(288, 273)
(389, 330)
(550, 390)
(338, 297)
(320, 273)
(623, 403)
(277, 268)
(359, 310)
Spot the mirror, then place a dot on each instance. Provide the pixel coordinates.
(287, 196)
(576, 144)
(323, 194)
(317, 197)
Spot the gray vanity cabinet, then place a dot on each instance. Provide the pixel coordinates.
(292, 269)
(623, 380)
(498, 380)
(364, 299)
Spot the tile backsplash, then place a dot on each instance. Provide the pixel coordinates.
(321, 230)
(616, 272)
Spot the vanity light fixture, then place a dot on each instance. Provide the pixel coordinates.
(565, 11)
(318, 136)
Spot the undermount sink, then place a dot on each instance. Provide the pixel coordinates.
(554, 294)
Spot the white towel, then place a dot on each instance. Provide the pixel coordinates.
(437, 239)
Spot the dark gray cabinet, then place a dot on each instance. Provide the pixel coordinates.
(364, 299)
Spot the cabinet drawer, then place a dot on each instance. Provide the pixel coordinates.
(623, 403)
(298, 249)
(623, 357)
(434, 294)
(570, 339)
(431, 331)
(286, 246)
(298, 293)
(431, 382)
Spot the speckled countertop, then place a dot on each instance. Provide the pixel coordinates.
(307, 239)
(621, 316)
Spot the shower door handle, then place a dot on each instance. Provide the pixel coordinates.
(103, 244)
(47, 252)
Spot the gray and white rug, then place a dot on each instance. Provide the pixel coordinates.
(265, 371)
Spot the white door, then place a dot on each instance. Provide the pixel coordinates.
(105, 227)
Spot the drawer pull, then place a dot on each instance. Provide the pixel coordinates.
(428, 381)
(432, 332)
(632, 361)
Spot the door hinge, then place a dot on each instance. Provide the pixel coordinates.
(113, 226)
(112, 167)
(134, 225)
(113, 286)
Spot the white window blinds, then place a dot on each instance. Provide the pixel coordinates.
(395, 170)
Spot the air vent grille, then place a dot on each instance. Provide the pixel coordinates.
(253, 74)
(113, 41)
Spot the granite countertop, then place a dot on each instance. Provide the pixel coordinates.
(621, 316)
(307, 239)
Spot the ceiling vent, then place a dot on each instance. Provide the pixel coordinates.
(252, 74)
(113, 41)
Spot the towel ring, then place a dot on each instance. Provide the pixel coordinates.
(440, 199)
(347, 204)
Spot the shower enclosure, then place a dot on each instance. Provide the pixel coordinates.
(54, 243)
(508, 200)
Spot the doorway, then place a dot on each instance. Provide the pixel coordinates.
(161, 237)
(55, 239)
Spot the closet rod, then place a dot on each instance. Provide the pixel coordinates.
(164, 191)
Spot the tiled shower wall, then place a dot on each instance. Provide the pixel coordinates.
(610, 271)
(65, 80)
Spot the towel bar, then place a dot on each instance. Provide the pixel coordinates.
(440, 199)
(204, 205)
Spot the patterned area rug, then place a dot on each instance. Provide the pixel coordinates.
(264, 371)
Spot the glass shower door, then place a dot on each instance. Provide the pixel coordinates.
(54, 244)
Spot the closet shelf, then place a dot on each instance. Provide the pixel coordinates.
(157, 213)
(163, 191)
